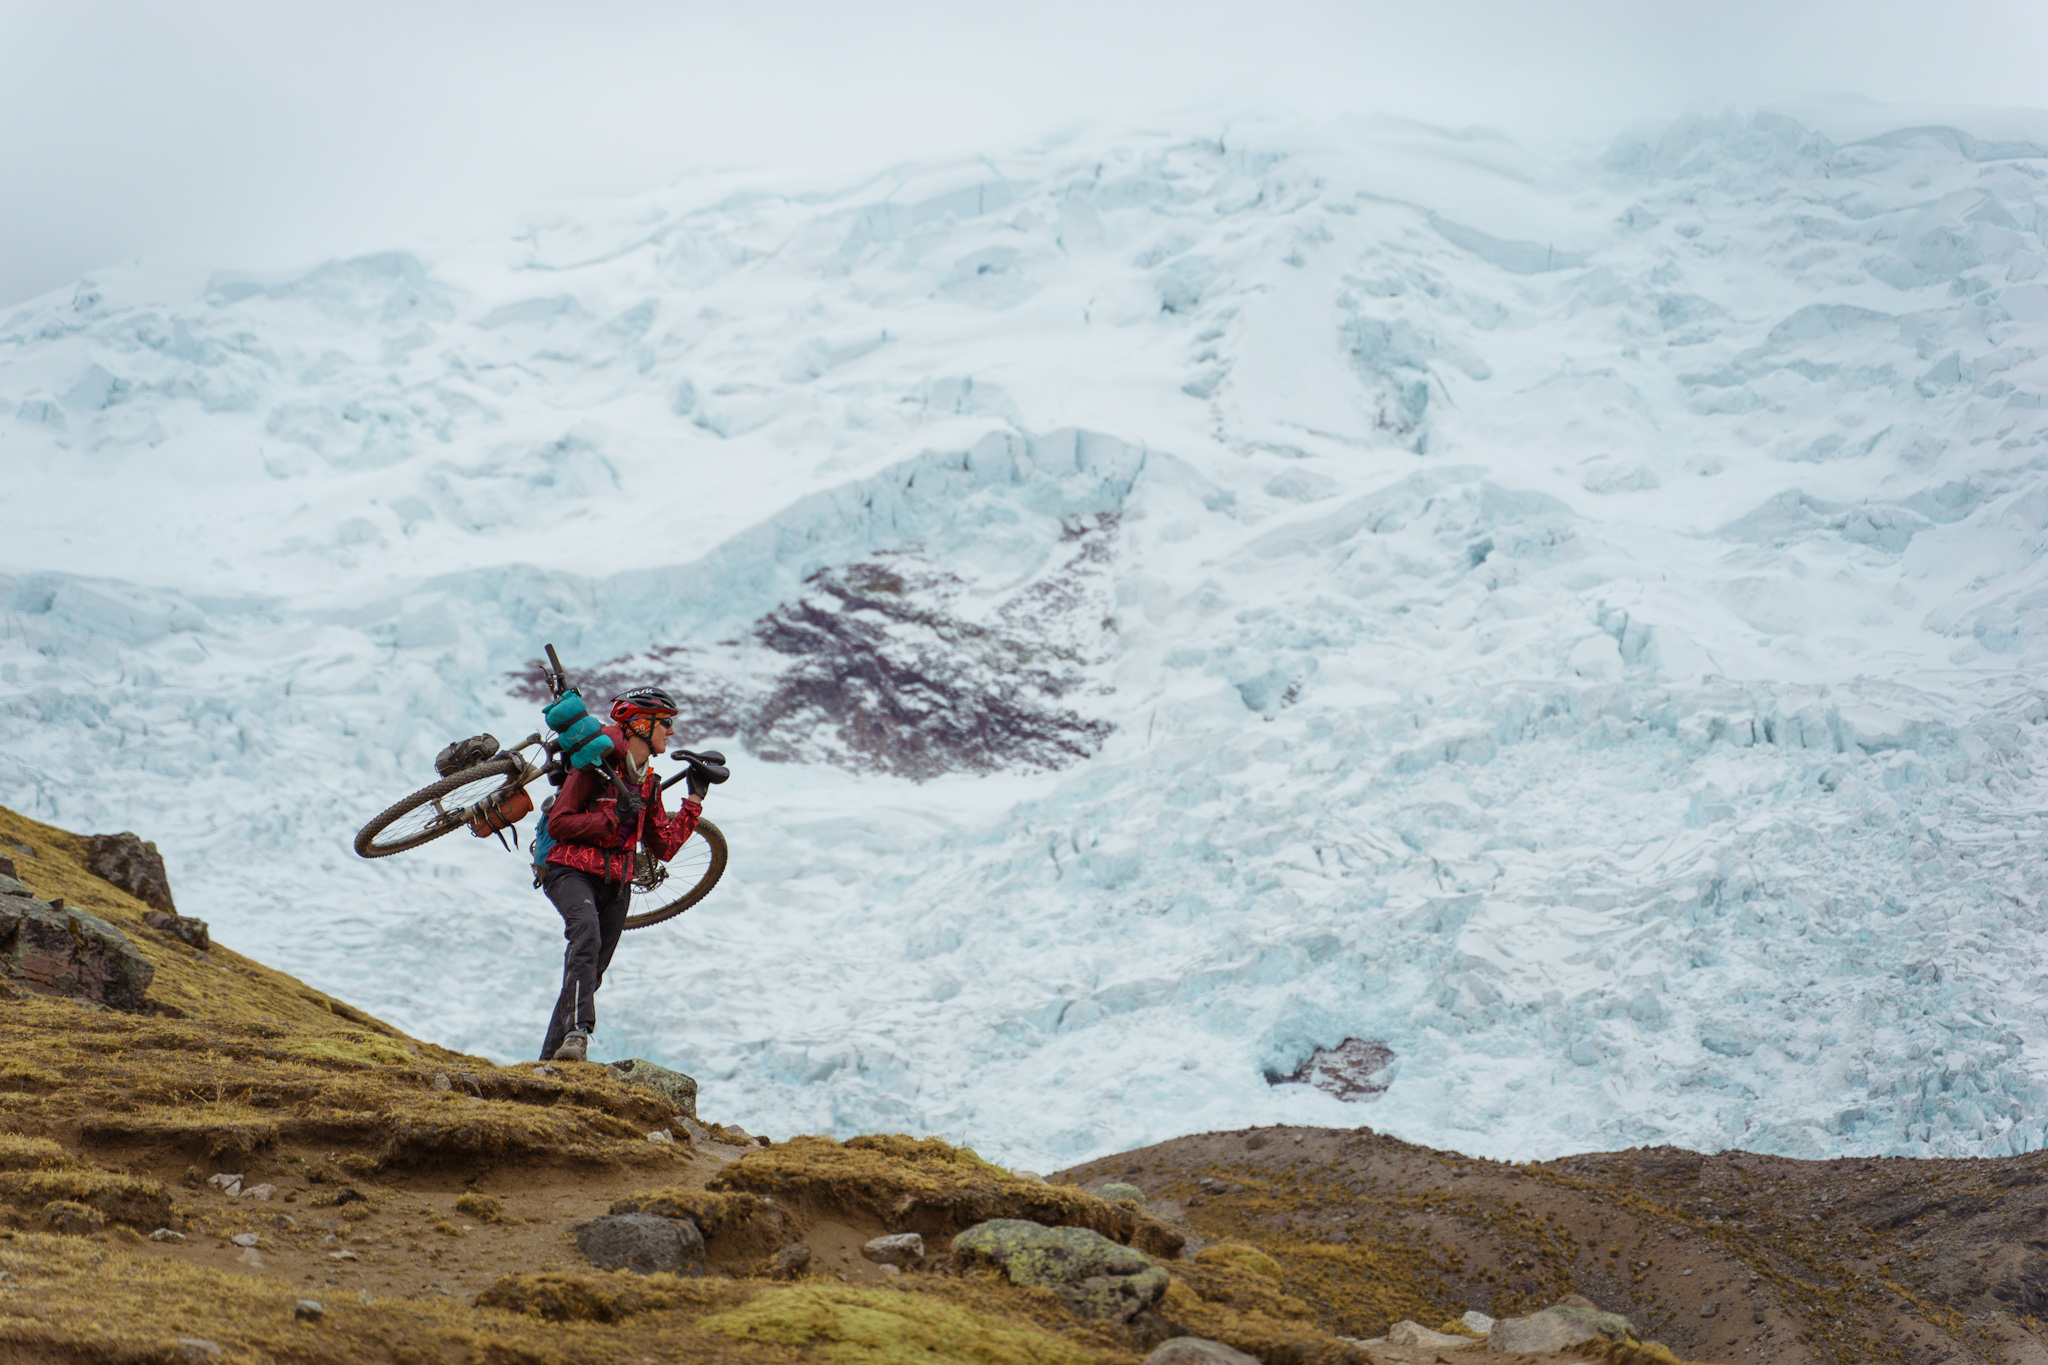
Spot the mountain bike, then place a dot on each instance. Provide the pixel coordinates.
(481, 779)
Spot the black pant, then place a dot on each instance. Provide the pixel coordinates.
(593, 916)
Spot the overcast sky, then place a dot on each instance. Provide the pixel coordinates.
(226, 133)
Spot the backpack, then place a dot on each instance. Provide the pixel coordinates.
(542, 841)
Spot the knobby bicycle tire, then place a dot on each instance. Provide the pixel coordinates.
(711, 870)
(399, 828)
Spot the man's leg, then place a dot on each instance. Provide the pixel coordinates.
(611, 923)
(575, 897)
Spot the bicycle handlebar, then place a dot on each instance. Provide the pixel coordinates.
(558, 681)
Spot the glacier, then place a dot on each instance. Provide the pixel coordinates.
(1175, 602)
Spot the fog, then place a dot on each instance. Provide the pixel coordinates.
(266, 135)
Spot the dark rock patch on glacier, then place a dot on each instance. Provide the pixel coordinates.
(1355, 1070)
(891, 664)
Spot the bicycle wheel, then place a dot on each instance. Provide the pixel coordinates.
(684, 880)
(432, 811)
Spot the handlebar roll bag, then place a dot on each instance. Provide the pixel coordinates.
(592, 753)
(565, 711)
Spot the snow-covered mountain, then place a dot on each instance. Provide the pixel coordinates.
(1175, 604)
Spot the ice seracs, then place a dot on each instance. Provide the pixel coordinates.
(1573, 625)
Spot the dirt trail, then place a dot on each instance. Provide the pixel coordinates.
(406, 1237)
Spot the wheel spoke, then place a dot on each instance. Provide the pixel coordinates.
(694, 870)
(442, 812)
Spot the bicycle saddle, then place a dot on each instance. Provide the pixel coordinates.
(711, 763)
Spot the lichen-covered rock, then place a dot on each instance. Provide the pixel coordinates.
(642, 1243)
(69, 952)
(1117, 1191)
(184, 928)
(1092, 1275)
(898, 1249)
(1415, 1334)
(134, 866)
(64, 1215)
(678, 1089)
(1555, 1328)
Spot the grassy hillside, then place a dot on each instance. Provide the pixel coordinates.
(427, 1202)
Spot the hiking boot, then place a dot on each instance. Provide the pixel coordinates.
(574, 1048)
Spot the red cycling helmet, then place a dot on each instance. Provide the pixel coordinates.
(644, 701)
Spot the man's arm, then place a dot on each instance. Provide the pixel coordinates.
(663, 833)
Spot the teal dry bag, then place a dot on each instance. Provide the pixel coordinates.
(580, 734)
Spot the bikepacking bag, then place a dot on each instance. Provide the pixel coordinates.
(465, 753)
(580, 734)
(495, 816)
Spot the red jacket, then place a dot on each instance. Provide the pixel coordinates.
(585, 822)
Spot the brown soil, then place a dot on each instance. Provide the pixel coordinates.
(409, 1241)
(1732, 1257)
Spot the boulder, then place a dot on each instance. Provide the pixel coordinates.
(1197, 1351)
(68, 952)
(1116, 1191)
(1091, 1274)
(1555, 1328)
(642, 1243)
(63, 1215)
(790, 1262)
(184, 928)
(134, 866)
(899, 1249)
(678, 1089)
(1415, 1334)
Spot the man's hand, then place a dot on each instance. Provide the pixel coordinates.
(697, 783)
(630, 806)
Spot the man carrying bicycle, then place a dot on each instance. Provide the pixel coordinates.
(588, 874)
